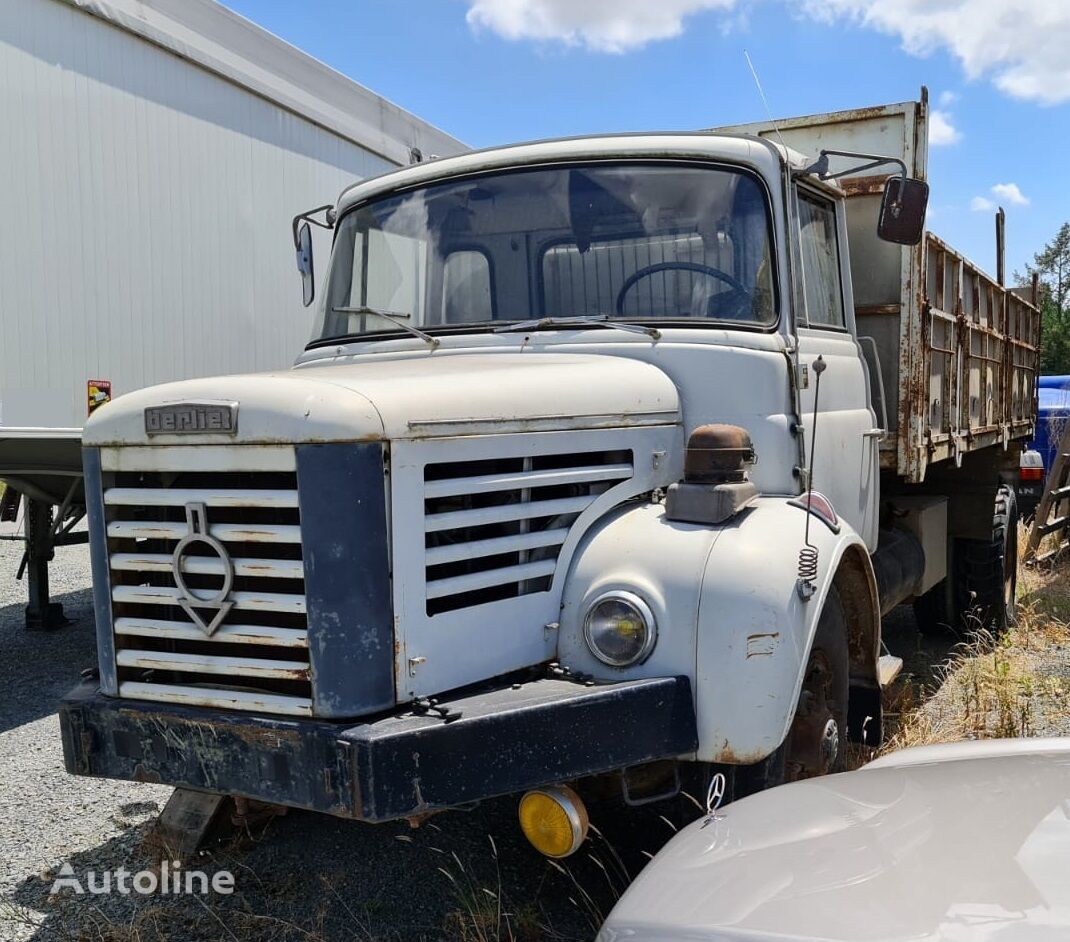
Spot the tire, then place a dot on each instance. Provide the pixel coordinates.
(980, 593)
(816, 743)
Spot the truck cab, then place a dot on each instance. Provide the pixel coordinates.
(580, 472)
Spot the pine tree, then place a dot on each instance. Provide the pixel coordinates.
(1052, 265)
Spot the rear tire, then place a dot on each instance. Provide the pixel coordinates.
(980, 592)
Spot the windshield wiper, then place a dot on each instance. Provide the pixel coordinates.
(583, 320)
(394, 318)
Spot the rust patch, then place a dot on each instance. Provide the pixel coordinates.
(730, 756)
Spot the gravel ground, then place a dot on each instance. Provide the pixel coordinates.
(306, 876)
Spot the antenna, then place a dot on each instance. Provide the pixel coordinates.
(768, 112)
(808, 555)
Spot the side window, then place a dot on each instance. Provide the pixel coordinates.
(820, 262)
(466, 288)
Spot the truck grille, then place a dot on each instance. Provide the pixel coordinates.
(494, 528)
(257, 658)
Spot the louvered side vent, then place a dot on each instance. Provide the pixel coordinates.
(257, 657)
(494, 528)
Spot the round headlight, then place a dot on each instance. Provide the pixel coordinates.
(620, 629)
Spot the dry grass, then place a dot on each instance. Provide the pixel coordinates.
(1011, 686)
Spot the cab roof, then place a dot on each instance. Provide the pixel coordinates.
(762, 155)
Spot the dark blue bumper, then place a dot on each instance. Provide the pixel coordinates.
(506, 740)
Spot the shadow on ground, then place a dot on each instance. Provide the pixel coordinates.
(48, 662)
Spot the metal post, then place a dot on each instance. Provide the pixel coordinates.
(1001, 250)
(42, 614)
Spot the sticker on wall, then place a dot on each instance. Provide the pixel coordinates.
(98, 392)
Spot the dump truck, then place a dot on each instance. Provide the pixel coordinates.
(607, 457)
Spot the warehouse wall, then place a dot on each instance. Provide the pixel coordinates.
(145, 206)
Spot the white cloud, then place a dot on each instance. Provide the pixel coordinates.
(1004, 192)
(941, 131)
(601, 25)
(948, 98)
(1020, 44)
(1011, 193)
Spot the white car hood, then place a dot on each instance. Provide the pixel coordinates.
(430, 395)
(975, 849)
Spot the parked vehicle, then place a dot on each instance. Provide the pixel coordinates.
(969, 841)
(543, 500)
(154, 154)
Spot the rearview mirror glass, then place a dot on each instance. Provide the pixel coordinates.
(304, 263)
(902, 217)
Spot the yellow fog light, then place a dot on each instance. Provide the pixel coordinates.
(554, 820)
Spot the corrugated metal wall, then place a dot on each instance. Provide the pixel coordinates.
(145, 208)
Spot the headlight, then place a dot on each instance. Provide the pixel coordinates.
(620, 629)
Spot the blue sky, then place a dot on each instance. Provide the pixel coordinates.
(496, 71)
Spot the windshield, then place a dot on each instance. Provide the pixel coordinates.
(641, 242)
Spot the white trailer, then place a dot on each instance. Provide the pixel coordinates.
(155, 152)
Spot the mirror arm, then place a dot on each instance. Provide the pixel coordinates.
(821, 165)
(309, 216)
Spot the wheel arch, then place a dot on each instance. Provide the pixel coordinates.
(856, 587)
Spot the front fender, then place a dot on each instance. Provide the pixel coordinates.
(728, 612)
(755, 631)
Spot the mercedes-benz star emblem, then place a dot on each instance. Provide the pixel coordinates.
(190, 600)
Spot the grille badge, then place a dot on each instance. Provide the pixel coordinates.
(192, 418)
(197, 523)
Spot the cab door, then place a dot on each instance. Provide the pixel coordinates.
(846, 461)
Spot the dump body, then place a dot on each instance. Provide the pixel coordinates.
(957, 351)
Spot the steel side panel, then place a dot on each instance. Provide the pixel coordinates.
(98, 546)
(347, 578)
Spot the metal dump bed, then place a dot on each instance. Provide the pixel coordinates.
(958, 352)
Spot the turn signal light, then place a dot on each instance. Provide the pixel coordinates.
(554, 820)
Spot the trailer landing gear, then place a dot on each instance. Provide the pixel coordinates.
(42, 614)
(45, 528)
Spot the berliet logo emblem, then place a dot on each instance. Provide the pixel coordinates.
(192, 418)
(190, 600)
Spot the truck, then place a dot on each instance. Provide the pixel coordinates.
(605, 462)
(155, 154)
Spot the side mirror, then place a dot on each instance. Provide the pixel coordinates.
(303, 245)
(902, 216)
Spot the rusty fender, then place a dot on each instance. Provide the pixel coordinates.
(727, 613)
(755, 631)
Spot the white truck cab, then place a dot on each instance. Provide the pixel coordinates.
(586, 467)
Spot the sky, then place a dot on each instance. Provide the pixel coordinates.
(498, 71)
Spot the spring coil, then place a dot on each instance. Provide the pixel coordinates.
(808, 563)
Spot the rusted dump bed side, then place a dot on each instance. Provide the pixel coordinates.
(956, 352)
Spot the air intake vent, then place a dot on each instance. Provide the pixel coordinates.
(257, 657)
(494, 528)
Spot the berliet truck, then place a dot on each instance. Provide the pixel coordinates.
(608, 455)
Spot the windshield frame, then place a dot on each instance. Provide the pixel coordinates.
(485, 327)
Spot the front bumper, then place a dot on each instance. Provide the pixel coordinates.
(505, 741)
